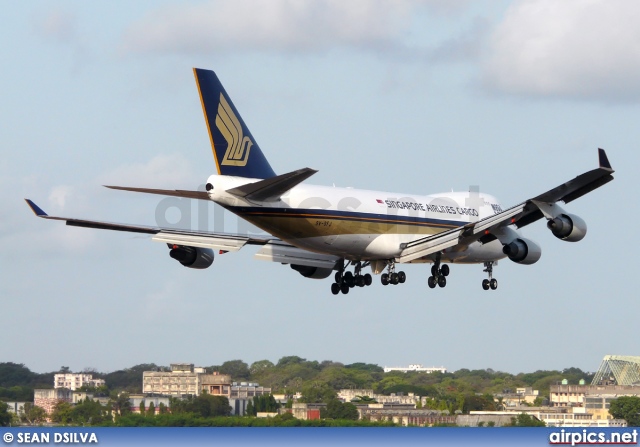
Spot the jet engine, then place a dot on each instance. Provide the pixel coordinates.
(522, 251)
(192, 257)
(312, 272)
(568, 227)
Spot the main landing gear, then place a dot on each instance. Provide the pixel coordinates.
(438, 274)
(348, 280)
(391, 277)
(490, 283)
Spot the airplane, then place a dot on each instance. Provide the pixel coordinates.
(319, 230)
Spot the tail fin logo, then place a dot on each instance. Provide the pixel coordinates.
(238, 145)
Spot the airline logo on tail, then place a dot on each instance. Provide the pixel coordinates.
(238, 145)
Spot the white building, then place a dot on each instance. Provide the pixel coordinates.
(184, 379)
(75, 381)
(415, 368)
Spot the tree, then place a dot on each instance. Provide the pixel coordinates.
(207, 405)
(316, 392)
(237, 369)
(260, 366)
(162, 408)
(152, 409)
(291, 359)
(34, 414)
(141, 407)
(62, 413)
(627, 408)
(5, 416)
(89, 412)
(338, 410)
(525, 420)
(120, 403)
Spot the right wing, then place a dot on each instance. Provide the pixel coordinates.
(520, 215)
(273, 249)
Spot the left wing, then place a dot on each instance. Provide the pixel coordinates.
(527, 212)
(273, 248)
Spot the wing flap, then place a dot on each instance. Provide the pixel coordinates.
(278, 251)
(271, 189)
(217, 242)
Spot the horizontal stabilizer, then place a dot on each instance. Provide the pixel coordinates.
(271, 189)
(201, 195)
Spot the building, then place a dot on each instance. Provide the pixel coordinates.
(76, 381)
(522, 395)
(590, 400)
(618, 370)
(405, 415)
(137, 399)
(304, 411)
(415, 368)
(16, 407)
(183, 380)
(350, 395)
(47, 399)
(552, 417)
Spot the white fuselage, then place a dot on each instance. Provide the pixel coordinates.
(360, 224)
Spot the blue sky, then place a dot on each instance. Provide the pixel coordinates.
(408, 96)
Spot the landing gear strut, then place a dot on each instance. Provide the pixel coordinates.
(438, 274)
(490, 283)
(391, 277)
(347, 280)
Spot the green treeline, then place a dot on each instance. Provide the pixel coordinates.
(317, 382)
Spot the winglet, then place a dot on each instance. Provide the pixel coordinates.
(36, 209)
(603, 160)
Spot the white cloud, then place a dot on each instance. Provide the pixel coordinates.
(278, 25)
(58, 196)
(581, 49)
(57, 25)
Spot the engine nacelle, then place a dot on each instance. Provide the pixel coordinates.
(192, 257)
(568, 227)
(312, 272)
(522, 251)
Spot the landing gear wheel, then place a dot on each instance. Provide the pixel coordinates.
(442, 281)
(485, 284)
(444, 270)
(360, 281)
(385, 279)
(335, 288)
(344, 288)
(368, 279)
(393, 279)
(493, 284)
(338, 277)
(434, 270)
(402, 277)
(348, 279)
(432, 282)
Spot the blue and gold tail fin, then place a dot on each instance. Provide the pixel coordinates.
(234, 148)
